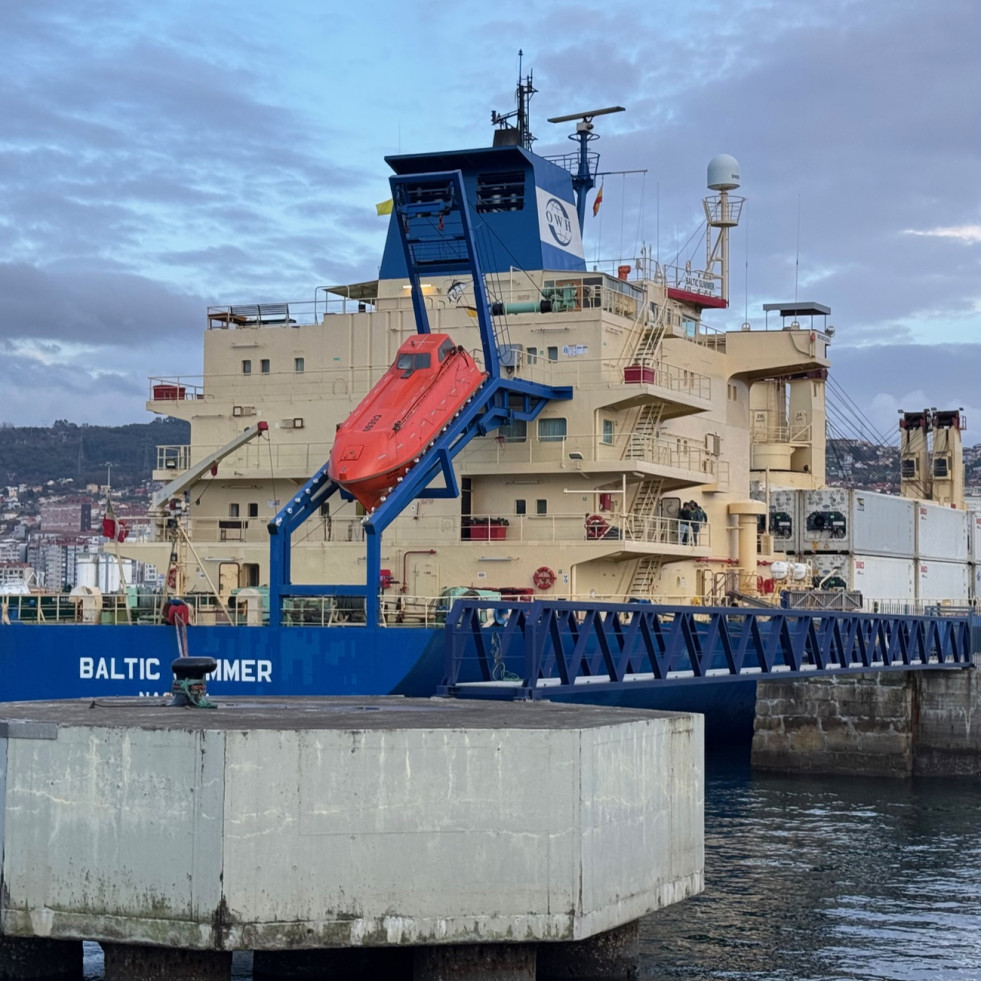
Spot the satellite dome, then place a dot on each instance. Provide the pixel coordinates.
(723, 173)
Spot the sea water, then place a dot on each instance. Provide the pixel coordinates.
(818, 879)
(811, 878)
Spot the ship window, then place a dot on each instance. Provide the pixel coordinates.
(541, 506)
(516, 432)
(608, 430)
(298, 365)
(532, 355)
(246, 367)
(521, 506)
(446, 349)
(253, 510)
(407, 363)
(504, 191)
(551, 430)
(232, 510)
(553, 354)
(264, 366)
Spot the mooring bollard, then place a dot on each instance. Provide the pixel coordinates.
(189, 688)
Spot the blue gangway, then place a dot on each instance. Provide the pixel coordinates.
(550, 648)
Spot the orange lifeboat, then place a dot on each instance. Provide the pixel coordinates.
(430, 381)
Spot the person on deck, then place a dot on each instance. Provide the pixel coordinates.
(684, 522)
(698, 516)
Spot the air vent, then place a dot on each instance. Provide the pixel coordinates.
(243, 410)
(295, 423)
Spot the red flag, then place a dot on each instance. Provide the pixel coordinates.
(598, 201)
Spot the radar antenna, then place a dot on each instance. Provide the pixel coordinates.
(518, 134)
(584, 179)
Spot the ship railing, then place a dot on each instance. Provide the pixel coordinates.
(176, 388)
(538, 446)
(291, 313)
(255, 460)
(176, 458)
(765, 433)
(64, 608)
(661, 373)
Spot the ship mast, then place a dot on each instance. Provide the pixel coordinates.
(520, 133)
(584, 177)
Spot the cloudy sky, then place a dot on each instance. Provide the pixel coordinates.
(155, 158)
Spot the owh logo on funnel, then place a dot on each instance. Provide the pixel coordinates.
(559, 223)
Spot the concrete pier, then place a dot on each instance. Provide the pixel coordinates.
(886, 723)
(473, 832)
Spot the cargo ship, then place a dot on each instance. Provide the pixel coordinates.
(612, 437)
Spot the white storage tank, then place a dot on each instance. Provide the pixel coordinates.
(101, 570)
(946, 583)
(941, 533)
(836, 519)
(878, 577)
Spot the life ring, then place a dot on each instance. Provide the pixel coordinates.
(543, 577)
(596, 526)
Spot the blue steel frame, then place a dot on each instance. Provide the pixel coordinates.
(438, 238)
(564, 643)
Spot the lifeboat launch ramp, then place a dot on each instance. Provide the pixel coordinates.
(436, 230)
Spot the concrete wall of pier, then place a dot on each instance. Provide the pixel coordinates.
(886, 723)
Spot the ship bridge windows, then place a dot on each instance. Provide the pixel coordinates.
(503, 191)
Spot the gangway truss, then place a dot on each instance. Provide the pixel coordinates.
(551, 648)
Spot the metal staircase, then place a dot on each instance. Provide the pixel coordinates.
(646, 572)
(645, 430)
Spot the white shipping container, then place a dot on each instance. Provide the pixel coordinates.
(882, 524)
(943, 582)
(836, 519)
(878, 577)
(784, 519)
(974, 538)
(941, 533)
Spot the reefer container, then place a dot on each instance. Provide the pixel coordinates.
(974, 535)
(941, 533)
(835, 519)
(943, 582)
(878, 577)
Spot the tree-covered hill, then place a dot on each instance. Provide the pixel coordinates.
(33, 455)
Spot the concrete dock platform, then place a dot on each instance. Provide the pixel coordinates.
(283, 826)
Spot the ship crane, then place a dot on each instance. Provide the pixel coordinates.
(166, 502)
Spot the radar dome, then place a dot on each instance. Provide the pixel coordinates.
(723, 173)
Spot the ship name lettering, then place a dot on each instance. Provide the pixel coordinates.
(119, 669)
(243, 670)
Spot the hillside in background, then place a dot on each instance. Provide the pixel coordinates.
(30, 455)
(34, 455)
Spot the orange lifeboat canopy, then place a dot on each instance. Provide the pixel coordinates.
(430, 380)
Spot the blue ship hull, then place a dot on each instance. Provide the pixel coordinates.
(58, 661)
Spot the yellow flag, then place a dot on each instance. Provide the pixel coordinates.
(385, 208)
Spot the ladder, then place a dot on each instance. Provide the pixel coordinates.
(647, 571)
